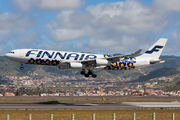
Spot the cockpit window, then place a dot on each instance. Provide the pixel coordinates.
(11, 52)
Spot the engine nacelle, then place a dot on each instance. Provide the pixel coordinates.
(76, 65)
(100, 62)
(60, 67)
(63, 65)
(99, 67)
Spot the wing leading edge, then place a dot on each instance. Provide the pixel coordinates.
(112, 59)
(116, 58)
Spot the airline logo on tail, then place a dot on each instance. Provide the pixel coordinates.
(155, 49)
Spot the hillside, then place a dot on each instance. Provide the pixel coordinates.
(8, 67)
(158, 73)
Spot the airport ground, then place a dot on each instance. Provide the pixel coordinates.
(83, 107)
(91, 99)
(164, 114)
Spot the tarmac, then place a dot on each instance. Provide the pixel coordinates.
(55, 105)
(154, 104)
(89, 106)
(51, 105)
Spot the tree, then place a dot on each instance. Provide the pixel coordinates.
(17, 93)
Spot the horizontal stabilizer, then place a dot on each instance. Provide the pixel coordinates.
(159, 61)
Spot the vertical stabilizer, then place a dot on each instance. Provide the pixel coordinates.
(155, 51)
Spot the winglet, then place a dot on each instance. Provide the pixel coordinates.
(137, 52)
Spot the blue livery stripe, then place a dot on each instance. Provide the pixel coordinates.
(154, 49)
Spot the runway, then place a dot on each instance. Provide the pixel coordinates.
(161, 102)
(56, 105)
(89, 106)
(154, 104)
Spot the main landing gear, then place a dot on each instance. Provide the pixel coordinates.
(21, 68)
(90, 72)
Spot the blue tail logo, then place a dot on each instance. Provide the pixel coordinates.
(155, 49)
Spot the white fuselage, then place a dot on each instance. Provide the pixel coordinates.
(72, 60)
(89, 61)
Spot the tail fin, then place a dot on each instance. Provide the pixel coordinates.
(155, 51)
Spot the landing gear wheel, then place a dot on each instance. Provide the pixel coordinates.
(94, 75)
(86, 75)
(83, 72)
(90, 72)
(21, 68)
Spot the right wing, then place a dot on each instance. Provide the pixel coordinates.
(116, 58)
(92, 62)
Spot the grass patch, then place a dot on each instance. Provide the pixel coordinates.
(87, 114)
(86, 100)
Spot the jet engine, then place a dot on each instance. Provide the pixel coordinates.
(63, 65)
(76, 65)
(100, 62)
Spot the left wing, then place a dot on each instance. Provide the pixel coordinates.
(112, 59)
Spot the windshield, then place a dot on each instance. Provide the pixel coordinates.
(11, 52)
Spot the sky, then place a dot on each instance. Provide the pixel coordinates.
(98, 26)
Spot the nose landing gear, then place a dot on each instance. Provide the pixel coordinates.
(90, 72)
(21, 68)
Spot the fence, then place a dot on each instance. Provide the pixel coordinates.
(94, 118)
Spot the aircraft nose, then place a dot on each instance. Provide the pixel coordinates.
(7, 55)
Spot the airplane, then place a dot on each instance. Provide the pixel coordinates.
(89, 61)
